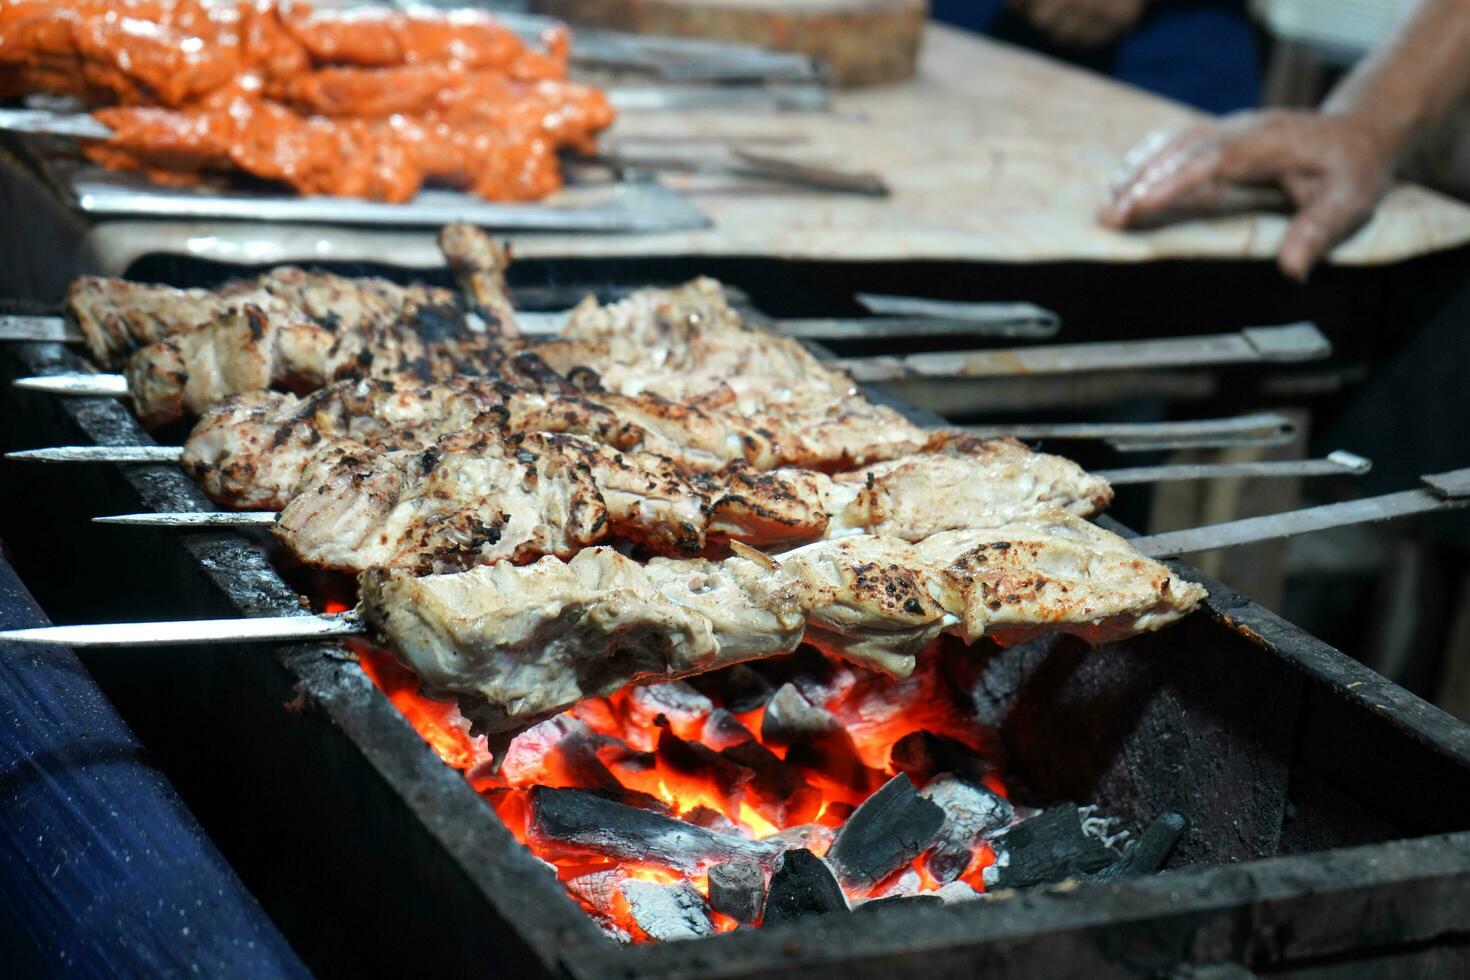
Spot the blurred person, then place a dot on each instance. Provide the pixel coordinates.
(1200, 52)
(1334, 164)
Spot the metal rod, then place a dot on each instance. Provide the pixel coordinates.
(77, 385)
(1259, 426)
(1340, 463)
(100, 454)
(1296, 342)
(244, 518)
(192, 631)
(38, 329)
(1442, 491)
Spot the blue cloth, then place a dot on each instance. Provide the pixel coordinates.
(1200, 52)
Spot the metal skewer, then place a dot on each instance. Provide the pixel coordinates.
(1252, 345)
(1443, 491)
(1255, 429)
(1338, 463)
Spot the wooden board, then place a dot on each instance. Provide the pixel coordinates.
(864, 42)
(994, 155)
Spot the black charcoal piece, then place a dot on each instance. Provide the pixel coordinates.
(791, 719)
(779, 792)
(802, 886)
(924, 755)
(1047, 848)
(738, 889)
(892, 901)
(743, 689)
(668, 912)
(576, 757)
(971, 813)
(570, 821)
(890, 829)
(704, 765)
(1148, 854)
(834, 757)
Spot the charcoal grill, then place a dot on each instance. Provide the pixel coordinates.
(1329, 825)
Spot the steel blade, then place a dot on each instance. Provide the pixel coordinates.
(195, 631)
(1338, 463)
(38, 329)
(100, 454)
(1043, 320)
(1250, 530)
(77, 384)
(1296, 342)
(254, 518)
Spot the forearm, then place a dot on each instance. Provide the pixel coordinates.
(1410, 81)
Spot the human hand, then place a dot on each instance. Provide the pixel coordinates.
(1333, 168)
(1081, 23)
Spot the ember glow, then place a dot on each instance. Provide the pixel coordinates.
(813, 738)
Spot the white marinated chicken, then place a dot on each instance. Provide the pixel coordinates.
(515, 644)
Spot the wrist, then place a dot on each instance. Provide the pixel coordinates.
(1386, 132)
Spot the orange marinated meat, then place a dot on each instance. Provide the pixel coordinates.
(362, 103)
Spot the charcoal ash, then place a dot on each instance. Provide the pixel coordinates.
(900, 885)
(1046, 848)
(971, 814)
(955, 892)
(668, 912)
(814, 837)
(723, 730)
(571, 821)
(924, 755)
(1150, 850)
(1108, 830)
(779, 792)
(802, 886)
(710, 819)
(821, 679)
(889, 830)
(738, 889)
(791, 719)
(527, 752)
(599, 890)
(678, 701)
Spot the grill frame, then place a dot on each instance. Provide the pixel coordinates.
(403, 829)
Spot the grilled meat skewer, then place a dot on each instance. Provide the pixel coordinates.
(250, 450)
(514, 644)
(478, 498)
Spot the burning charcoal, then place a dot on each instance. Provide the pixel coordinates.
(1044, 849)
(889, 901)
(527, 753)
(574, 761)
(779, 792)
(571, 821)
(802, 885)
(668, 912)
(808, 836)
(703, 816)
(722, 730)
(907, 882)
(924, 755)
(971, 813)
(598, 890)
(1147, 854)
(790, 719)
(890, 829)
(684, 707)
(820, 679)
(702, 764)
(955, 891)
(738, 889)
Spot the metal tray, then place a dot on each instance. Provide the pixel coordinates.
(630, 205)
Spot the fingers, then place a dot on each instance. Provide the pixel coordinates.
(1333, 213)
(1182, 165)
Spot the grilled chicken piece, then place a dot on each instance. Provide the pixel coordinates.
(116, 317)
(246, 349)
(248, 451)
(479, 263)
(479, 498)
(516, 644)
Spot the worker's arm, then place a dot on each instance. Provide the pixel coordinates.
(1335, 163)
